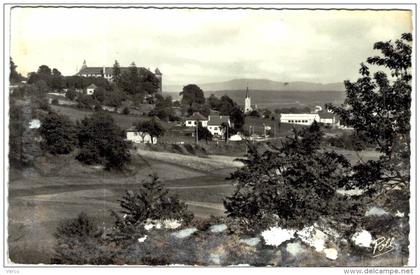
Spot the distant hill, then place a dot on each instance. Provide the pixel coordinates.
(262, 85)
(280, 99)
(272, 94)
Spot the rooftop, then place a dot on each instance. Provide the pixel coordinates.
(196, 116)
(218, 120)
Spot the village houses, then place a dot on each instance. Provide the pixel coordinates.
(216, 124)
(135, 136)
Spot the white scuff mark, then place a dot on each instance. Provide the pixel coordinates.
(34, 124)
(215, 258)
(376, 211)
(295, 249)
(171, 224)
(148, 226)
(313, 237)
(275, 236)
(362, 238)
(250, 241)
(217, 228)
(158, 225)
(142, 239)
(351, 192)
(125, 216)
(184, 233)
(331, 253)
(399, 214)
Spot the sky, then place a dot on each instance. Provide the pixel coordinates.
(204, 46)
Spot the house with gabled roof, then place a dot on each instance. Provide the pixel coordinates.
(327, 118)
(195, 118)
(91, 89)
(216, 124)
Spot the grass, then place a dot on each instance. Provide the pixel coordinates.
(123, 121)
(38, 203)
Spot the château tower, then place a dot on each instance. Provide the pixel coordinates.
(84, 66)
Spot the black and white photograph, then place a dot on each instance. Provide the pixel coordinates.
(187, 135)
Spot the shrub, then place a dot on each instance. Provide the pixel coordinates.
(58, 134)
(126, 111)
(79, 241)
(153, 202)
(292, 186)
(71, 94)
(102, 142)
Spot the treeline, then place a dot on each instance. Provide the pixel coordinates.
(137, 84)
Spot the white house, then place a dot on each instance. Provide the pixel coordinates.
(301, 119)
(328, 118)
(215, 124)
(139, 137)
(91, 89)
(194, 119)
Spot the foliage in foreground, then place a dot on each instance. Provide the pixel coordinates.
(151, 202)
(81, 241)
(292, 186)
(378, 108)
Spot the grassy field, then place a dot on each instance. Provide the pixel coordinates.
(60, 188)
(123, 121)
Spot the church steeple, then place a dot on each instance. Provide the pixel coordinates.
(247, 107)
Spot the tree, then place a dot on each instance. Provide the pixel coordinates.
(14, 76)
(101, 141)
(378, 108)
(71, 94)
(16, 131)
(238, 118)
(152, 127)
(99, 94)
(130, 81)
(58, 134)
(126, 111)
(116, 73)
(254, 113)
(226, 105)
(213, 102)
(86, 101)
(153, 202)
(291, 186)
(57, 80)
(204, 133)
(192, 94)
(266, 113)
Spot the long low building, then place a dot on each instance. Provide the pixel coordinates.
(301, 119)
(309, 118)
